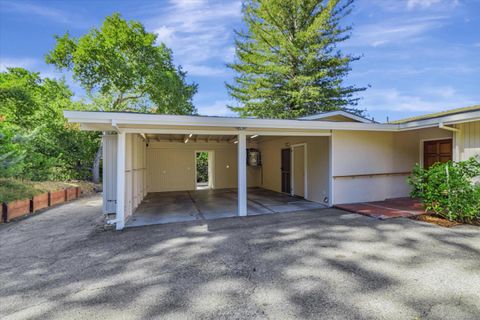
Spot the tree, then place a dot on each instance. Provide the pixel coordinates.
(288, 64)
(121, 62)
(36, 141)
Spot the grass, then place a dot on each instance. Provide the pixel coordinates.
(14, 189)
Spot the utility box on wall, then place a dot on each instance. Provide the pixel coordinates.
(109, 173)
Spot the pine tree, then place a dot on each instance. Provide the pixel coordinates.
(288, 63)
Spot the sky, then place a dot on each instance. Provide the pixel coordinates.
(417, 56)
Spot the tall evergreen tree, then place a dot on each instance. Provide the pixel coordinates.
(288, 63)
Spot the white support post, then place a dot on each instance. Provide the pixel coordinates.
(120, 212)
(242, 174)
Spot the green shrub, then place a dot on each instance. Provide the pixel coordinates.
(449, 189)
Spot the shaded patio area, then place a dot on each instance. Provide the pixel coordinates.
(390, 208)
(181, 206)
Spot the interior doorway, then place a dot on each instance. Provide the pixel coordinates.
(204, 170)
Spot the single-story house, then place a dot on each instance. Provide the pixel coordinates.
(330, 158)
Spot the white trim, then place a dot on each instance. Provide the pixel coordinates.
(120, 212)
(224, 122)
(213, 132)
(330, 171)
(305, 169)
(422, 147)
(121, 121)
(242, 173)
(349, 115)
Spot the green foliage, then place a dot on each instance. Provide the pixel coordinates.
(288, 64)
(448, 189)
(202, 167)
(11, 153)
(121, 62)
(11, 190)
(36, 141)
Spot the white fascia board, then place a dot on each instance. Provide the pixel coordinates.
(446, 120)
(125, 119)
(336, 113)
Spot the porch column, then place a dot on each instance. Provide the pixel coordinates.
(242, 174)
(120, 212)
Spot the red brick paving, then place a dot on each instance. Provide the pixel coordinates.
(390, 208)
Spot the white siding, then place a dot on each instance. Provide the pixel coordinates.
(134, 173)
(109, 173)
(372, 166)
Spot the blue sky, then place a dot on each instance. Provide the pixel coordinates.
(418, 56)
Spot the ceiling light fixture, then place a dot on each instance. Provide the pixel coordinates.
(236, 141)
(254, 136)
(190, 135)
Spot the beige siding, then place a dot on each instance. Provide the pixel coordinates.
(317, 164)
(388, 156)
(468, 140)
(171, 166)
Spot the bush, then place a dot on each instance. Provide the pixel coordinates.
(448, 189)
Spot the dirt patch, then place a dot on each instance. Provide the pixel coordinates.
(440, 221)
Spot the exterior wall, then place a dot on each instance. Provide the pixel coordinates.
(467, 141)
(171, 166)
(317, 164)
(373, 166)
(134, 172)
(109, 178)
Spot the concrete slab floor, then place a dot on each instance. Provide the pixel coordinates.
(181, 206)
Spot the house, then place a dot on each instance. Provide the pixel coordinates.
(330, 158)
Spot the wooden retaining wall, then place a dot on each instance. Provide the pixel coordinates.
(20, 208)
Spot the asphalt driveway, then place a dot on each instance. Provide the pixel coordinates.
(313, 264)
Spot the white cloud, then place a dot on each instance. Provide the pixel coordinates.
(430, 99)
(200, 33)
(394, 31)
(217, 108)
(204, 70)
(6, 62)
(424, 4)
(50, 13)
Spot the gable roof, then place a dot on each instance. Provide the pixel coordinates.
(331, 115)
(438, 114)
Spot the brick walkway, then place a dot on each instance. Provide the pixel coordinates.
(390, 208)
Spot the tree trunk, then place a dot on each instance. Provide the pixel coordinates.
(96, 164)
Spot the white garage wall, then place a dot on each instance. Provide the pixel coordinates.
(317, 163)
(388, 156)
(171, 166)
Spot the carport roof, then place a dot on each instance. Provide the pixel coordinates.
(158, 123)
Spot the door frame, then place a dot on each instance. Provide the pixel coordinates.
(211, 167)
(281, 171)
(422, 148)
(305, 169)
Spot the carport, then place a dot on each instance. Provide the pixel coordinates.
(150, 174)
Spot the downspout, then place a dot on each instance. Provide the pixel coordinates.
(441, 125)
